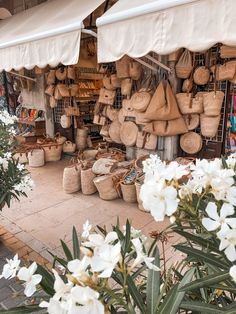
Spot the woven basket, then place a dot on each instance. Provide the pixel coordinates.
(140, 202)
(107, 97)
(90, 154)
(128, 133)
(69, 147)
(201, 75)
(135, 70)
(60, 139)
(50, 90)
(74, 89)
(87, 185)
(107, 83)
(209, 125)
(184, 65)
(192, 121)
(53, 102)
(22, 156)
(61, 73)
(36, 158)
(72, 111)
(114, 131)
(51, 77)
(187, 86)
(57, 94)
(212, 103)
(191, 143)
(72, 179)
(227, 52)
(115, 81)
(129, 193)
(52, 151)
(122, 67)
(71, 72)
(140, 100)
(126, 87)
(81, 138)
(64, 90)
(105, 187)
(104, 166)
(188, 105)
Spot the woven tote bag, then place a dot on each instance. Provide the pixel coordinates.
(184, 65)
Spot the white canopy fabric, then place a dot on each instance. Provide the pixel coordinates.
(136, 27)
(49, 33)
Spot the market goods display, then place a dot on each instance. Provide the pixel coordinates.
(123, 67)
(129, 192)
(52, 151)
(135, 70)
(140, 100)
(227, 52)
(187, 86)
(166, 128)
(106, 96)
(224, 71)
(72, 179)
(212, 102)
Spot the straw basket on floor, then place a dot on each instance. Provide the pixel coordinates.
(209, 125)
(36, 157)
(52, 151)
(22, 156)
(72, 179)
(129, 193)
(81, 138)
(106, 188)
(140, 202)
(87, 185)
(69, 147)
(90, 154)
(104, 166)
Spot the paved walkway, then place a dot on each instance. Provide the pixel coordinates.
(48, 214)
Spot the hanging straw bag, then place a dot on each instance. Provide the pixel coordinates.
(72, 179)
(135, 70)
(98, 119)
(71, 73)
(166, 128)
(107, 83)
(57, 94)
(52, 151)
(69, 147)
(191, 143)
(212, 103)
(81, 138)
(201, 75)
(227, 52)
(115, 81)
(114, 132)
(111, 113)
(128, 133)
(51, 77)
(122, 67)
(65, 121)
(140, 100)
(187, 86)
(36, 157)
(107, 97)
(104, 166)
(50, 90)
(52, 102)
(184, 66)
(61, 73)
(188, 105)
(87, 185)
(163, 105)
(126, 87)
(192, 121)
(72, 111)
(146, 141)
(64, 90)
(209, 125)
(73, 90)
(226, 71)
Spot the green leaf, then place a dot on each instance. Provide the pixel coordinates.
(202, 256)
(174, 298)
(66, 251)
(199, 307)
(47, 281)
(127, 237)
(76, 246)
(207, 281)
(135, 294)
(153, 284)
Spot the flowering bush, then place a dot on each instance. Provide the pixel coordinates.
(14, 178)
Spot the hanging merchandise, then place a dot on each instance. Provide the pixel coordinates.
(126, 87)
(140, 100)
(72, 111)
(184, 65)
(224, 71)
(115, 81)
(51, 77)
(107, 97)
(114, 132)
(121, 115)
(209, 125)
(163, 105)
(71, 75)
(57, 94)
(107, 82)
(191, 143)
(65, 121)
(61, 73)
(52, 102)
(227, 52)
(192, 121)
(212, 102)
(36, 157)
(111, 113)
(72, 179)
(188, 104)
(187, 86)
(105, 130)
(128, 133)
(166, 128)
(50, 90)
(69, 147)
(201, 75)
(128, 110)
(73, 90)
(64, 90)
(99, 120)
(135, 70)
(122, 67)
(146, 141)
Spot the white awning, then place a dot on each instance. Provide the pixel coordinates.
(46, 34)
(136, 27)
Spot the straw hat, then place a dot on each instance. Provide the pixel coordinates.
(191, 143)
(128, 133)
(114, 132)
(192, 121)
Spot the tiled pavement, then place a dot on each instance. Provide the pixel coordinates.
(48, 214)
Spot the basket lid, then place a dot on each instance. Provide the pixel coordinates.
(128, 133)
(191, 143)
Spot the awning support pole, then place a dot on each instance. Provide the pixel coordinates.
(90, 32)
(146, 64)
(23, 76)
(163, 66)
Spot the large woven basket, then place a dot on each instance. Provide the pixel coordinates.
(81, 138)
(140, 202)
(69, 147)
(209, 125)
(87, 185)
(212, 103)
(188, 105)
(52, 151)
(129, 193)
(36, 158)
(72, 179)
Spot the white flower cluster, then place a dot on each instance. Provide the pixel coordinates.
(26, 184)
(102, 255)
(6, 118)
(158, 193)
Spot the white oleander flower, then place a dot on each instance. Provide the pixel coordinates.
(78, 268)
(159, 198)
(105, 259)
(96, 240)
(142, 257)
(62, 289)
(231, 161)
(31, 280)
(193, 186)
(228, 243)
(230, 195)
(215, 220)
(20, 167)
(8, 155)
(84, 300)
(220, 184)
(86, 229)
(4, 162)
(174, 171)
(10, 268)
(26, 185)
(134, 233)
(55, 306)
(232, 272)
(6, 118)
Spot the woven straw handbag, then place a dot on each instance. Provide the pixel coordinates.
(128, 133)
(65, 121)
(52, 151)
(61, 73)
(59, 139)
(71, 72)
(90, 154)
(212, 103)
(192, 121)
(50, 90)
(129, 193)
(166, 128)
(209, 125)
(72, 111)
(87, 185)
(114, 132)
(98, 119)
(126, 87)
(51, 77)
(187, 86)
(52, 102)
(184, 65)
(135, 70)
(122, 67)
(227, 52)
(140, 100)
(163, 105)
(107, 82)
(106, 97)
(224, 71)
(188, 105)
(111, 113)
(146, 141)
(191, 143)
(36, 157)
(201, 75)
(72, 179)
(74, 90)
(57, 94)
(64, 90)
(69, 147)
(115, 81)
